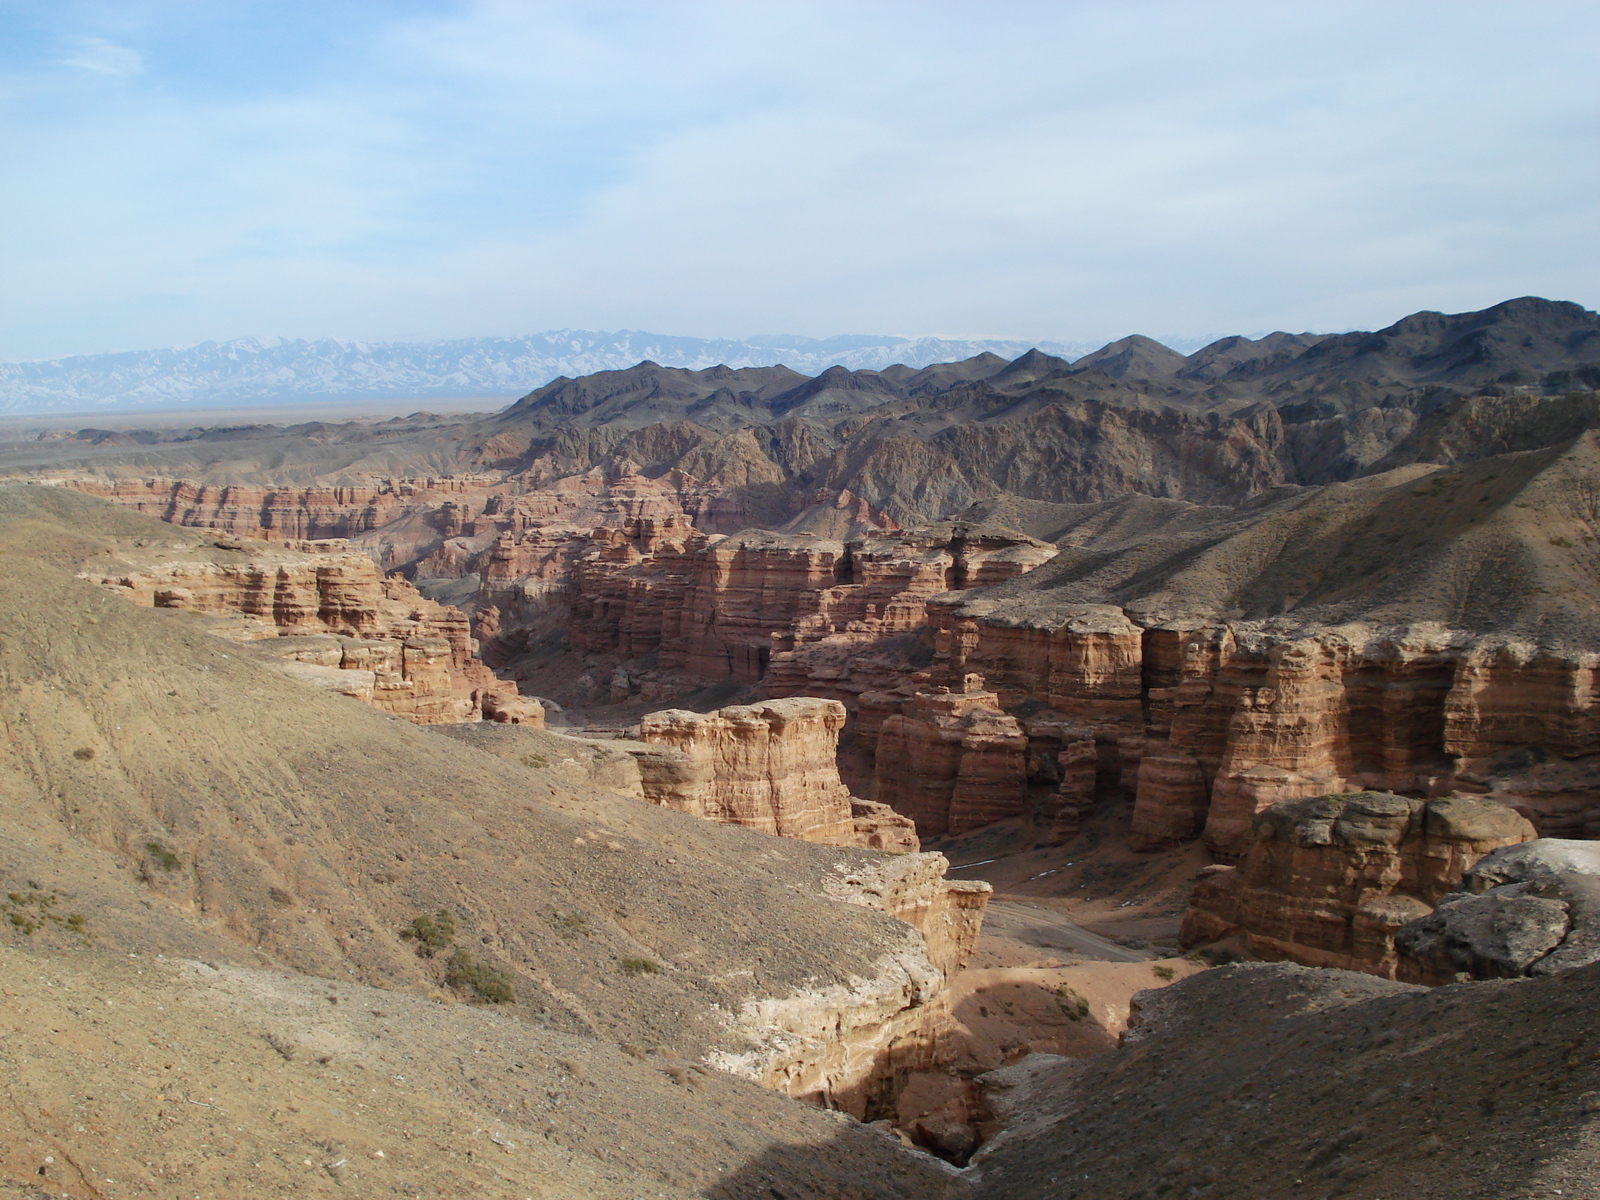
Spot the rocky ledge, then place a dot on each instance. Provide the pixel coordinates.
(333, 620)
(1327, 881)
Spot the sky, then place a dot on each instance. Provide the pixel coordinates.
(183, 170)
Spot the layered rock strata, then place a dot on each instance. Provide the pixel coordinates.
(771, 766)
(952, 761)
(460, 505)
(1203, 722)
(1209, 723)
(1328, 880)
(716, 608)
(346, 626)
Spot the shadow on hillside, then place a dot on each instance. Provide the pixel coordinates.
(859, 1164)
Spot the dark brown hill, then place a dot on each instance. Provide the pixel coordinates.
(1269, 1082)
(1136, 357)
(1507, 545)
(1226, 424)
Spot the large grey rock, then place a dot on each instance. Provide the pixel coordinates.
(1542, 858)
(1530, 909)
(1498, 934)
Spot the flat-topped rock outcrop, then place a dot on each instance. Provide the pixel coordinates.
(771, 766)
(1328, 880)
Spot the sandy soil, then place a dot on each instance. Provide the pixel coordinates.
(140, 1075)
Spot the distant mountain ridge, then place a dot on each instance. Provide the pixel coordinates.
(255, 371)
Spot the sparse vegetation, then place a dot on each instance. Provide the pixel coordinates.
(431, 933)
(639, 966)
(490, 984)
(535, 760)
(1074, 1006)
(162, 857)
(83, 753)
(33, 910)
(1207, 957)
(436, 932)
(571, 924)
(1165, 973)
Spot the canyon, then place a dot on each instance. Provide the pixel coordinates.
(681, 719)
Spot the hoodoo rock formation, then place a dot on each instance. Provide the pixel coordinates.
(771, 766)
(1328, 880)
(346, 627)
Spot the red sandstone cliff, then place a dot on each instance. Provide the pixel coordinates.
(1202, 721)
(1327, 881)
(771, 766)
(389, 646)
(1209, 723)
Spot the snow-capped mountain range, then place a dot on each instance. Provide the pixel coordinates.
(257, 371)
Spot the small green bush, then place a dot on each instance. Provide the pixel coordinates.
(639, 966)
(164, 858)
(571, 925)
(1211, 958)
(432, 934)
(489, 983)
(1165, 973)
(30, 911)
(1073, 1006)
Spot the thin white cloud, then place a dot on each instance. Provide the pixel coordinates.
(105, 58)
(1068, 170)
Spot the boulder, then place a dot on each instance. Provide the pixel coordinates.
(1528, 909)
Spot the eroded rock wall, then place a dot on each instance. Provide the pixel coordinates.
(346, 626)
(1207, 724)
(952, 761)
(771, 766)
(1328, 880)
(716, 608)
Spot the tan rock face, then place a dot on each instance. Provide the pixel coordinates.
(391, 647)
(771, 766)
(831, 1043)
(952, 761)
(912, 888)
(1328, 880)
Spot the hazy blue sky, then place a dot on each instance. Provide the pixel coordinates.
(176, 170)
